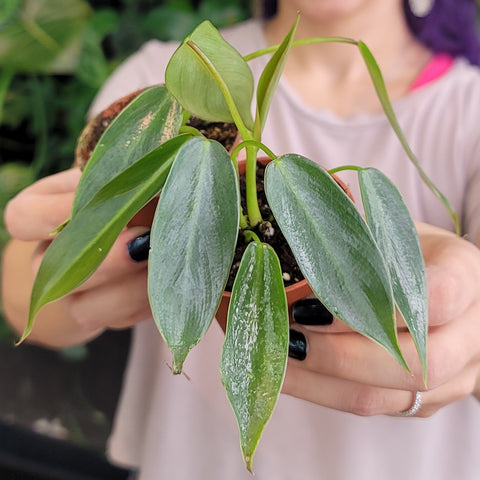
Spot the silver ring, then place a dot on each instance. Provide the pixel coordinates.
(416, 405)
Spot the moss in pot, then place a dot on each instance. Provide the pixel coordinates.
(347, 261)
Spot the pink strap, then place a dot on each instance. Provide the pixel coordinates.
(438, 66)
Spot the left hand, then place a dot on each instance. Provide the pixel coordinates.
(346, 371)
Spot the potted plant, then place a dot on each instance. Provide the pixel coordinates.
(362, 269)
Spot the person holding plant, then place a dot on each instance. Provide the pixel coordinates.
(325, 108)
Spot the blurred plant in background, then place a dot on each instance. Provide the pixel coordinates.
(55, 55)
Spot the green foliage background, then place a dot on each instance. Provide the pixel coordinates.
(55, 55)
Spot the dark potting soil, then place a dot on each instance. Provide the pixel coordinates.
(269, 232)
(226, 134)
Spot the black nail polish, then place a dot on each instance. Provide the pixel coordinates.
(310, 311)
(297, 346)
(139, 247)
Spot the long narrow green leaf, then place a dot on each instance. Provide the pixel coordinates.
(270, 77)
(381, 89)
(395, 233)
(150, 119)
(255, 351)
(192, 243)
(334, 247)
(82, 245)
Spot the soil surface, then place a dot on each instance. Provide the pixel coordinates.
(269, 232)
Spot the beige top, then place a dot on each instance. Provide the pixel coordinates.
(182, 428)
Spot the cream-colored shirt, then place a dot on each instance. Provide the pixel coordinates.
(183, 428)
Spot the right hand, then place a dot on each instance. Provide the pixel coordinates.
(115, 296)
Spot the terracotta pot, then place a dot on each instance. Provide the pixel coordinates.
(294, 292)
(225, 133)
(95, 127)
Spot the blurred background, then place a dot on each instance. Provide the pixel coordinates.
(56, 408)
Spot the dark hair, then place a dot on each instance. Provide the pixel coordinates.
(450, 27)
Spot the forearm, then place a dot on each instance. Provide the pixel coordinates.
(54, 326)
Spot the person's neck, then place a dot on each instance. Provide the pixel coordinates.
(339, 68)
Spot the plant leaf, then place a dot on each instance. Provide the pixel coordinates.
(270, 77)
(396, 236)
(334, 247)
(192, 243)
(204, 69)
(381, 89)
(43, 36)
(82, 245)
(255, 351)
(147, 121)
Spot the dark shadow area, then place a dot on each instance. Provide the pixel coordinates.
(57, 408)
(30, 456)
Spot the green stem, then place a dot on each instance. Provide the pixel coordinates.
(253, 210)
(259, 145)
(297, 43)
(233, 155)
(251, 236)
(335, 170)
(243, 217)
(252, 146)
(191, 130)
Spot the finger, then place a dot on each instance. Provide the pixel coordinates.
(313, 315)
(62, 182)
(449, 261)
(354, 357)
(461, 386)
(40, 208)
(344, 395)
(115, 305)
(366, 400)
(117, 263)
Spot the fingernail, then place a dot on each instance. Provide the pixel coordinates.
(311, 311)
(297, 346)
(139, 247)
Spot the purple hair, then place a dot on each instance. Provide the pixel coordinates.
(450, 27)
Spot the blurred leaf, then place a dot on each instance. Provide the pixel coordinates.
(93, 67)
(221, 13)
(44, 36)
(13, 178)
(7, 10)
(104, 22)
(170, 22)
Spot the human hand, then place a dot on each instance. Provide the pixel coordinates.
(344, 370)
(115, 296)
